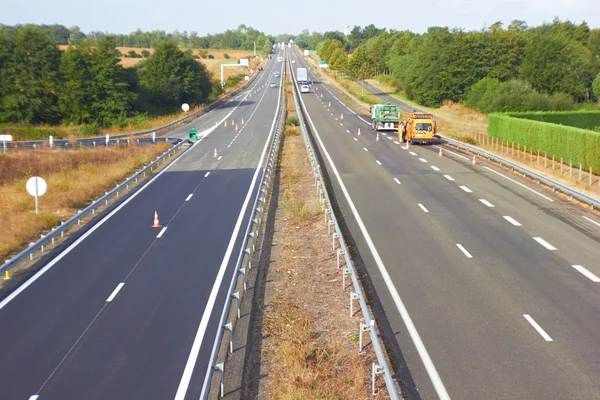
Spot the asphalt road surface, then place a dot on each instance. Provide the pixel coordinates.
(130, 311)
(489, 283)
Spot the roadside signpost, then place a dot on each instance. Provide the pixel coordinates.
(185, 107)
(36, 187)
(4, 139)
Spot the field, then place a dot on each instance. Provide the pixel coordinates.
(74, 177)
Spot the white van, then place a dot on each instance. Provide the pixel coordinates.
(304, 88)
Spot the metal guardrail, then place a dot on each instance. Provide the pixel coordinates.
(59, 231)
(357, 294)
(244, 261)
(593, 202)
(555, 185)
(193, 115)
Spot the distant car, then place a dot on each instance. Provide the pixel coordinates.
(273, 84)
(276, 74)
(304, 88)
(293, 61)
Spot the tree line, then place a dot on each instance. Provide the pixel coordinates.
(518, 68)
(85, 84)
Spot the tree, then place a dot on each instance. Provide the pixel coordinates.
(359, 66)
(109, 92)
(596, 87)
(74, 92)
(170, 77)
(31, 73)
(75, 35)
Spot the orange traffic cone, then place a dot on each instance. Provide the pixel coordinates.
(407, 144)
(342, 116)
(377, 138)
(215, 155)
(474, 161)
(440, 153)
(236, 128)
(358, 134)
(242, 121)
(156, 223)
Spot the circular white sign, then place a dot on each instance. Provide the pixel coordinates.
(31, 186)
(185, 107)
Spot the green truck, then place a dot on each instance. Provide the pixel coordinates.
(385, 117)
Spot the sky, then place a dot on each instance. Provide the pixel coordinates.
(276, 17)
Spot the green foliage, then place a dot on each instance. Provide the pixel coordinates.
(132, 54)
(577, 145)
(74, 93)
(596, 87)
(211, 57)
(170, 77)
(145, 53)
(292, 121)
(226, 56)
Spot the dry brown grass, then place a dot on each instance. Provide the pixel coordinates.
(74, 177)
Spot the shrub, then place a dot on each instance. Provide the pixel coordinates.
(145, 53)
(211, 57)
(132, 54)
(293, 121)
(226, 56)
(91, 129)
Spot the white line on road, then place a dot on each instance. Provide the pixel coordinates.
(365, 149)
(587, 273)
(114, 293)
(460, 246)
(449, 177)
(466, 189)
(189, 197)
(34, 397)
(378, 162)
(512, 220)
(456, 154)
(412, 153)
(591, 220)
(519, 183)
(397, 181)
(423, 207)
(433, 167)
(383, 134)
(356, 139)
(219, 159)
(347, 131)
(396, 142)
(161, 232)
(341, 124)
(207, 174)
(422, 160)
(538, 328)
(544, 243)
(434, 376)
(487, 203)
(390, 138)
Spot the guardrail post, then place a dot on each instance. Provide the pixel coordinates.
(242, 271)
(333, 237)
(376, 370)
(364, 328)
(247, 251)
(229, 328)
(236, 296)
(220, 368)
(345, 271)
(339, 253)
(325, 213)
(329, 226)
(353, 296)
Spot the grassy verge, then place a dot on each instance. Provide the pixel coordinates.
(74, 177)
(309, 347)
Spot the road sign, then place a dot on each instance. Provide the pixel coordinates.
(4, 139)
(244, 62)
(306, 52)
(185, 107)
(36, 187)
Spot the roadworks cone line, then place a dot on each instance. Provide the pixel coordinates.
(156, 223)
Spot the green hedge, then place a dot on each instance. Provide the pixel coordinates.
(572, 144)
(579, 119)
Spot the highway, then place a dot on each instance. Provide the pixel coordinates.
(129, 311)
(489, 284)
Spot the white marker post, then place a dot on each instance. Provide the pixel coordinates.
(153, 137)
(50, 141)
(4, 139)
(107, 139)
(36, 187)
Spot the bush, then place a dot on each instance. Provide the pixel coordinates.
(91, 129)
(132, 54)
(226, 56)
(292, 121)
(534, 130)
(211, 57)
(145, 53)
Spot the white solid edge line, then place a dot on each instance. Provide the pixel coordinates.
(423, 208)
(433, 167)
(162, 231)
(189, 197)
(410, 326)
(460, 246)
(538, 328)
(544, 243)
(512, 220)
(397, 181)
(591, 220)
(195, 350)
(449, 177)
(487, 203)
(422, 160)
(456, 154)
(114, 293)
(378, 162)
(34, 397)
(587, 273)
(59, 257)
(519, 183)
(466, 189)
(207, 174)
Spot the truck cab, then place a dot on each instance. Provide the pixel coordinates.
(419, 128)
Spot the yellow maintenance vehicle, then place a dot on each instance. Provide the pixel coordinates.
(418, 128)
